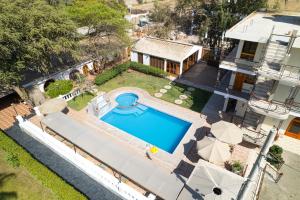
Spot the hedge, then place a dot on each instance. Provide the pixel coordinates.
(146, 69)
(59, 87)
(115, 71)
(48, 178)
(111, 73)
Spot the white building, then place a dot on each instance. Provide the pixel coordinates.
(262, 78)
(170, 56)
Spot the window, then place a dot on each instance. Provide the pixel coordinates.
(157, 62)
(140, 58)
(248, 51)
(293, 129)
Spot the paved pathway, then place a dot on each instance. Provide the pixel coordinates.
(288, 186)
(200, 76)
(66, 170)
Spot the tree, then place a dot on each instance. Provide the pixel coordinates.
(33, 37)
(106, 26)
(163, 16)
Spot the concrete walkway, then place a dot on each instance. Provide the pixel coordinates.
(288, 186)
(63, 168)
(200, 76)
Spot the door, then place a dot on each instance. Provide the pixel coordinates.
(238, 82)
(293, 129)
(173, 67)
(140, 58)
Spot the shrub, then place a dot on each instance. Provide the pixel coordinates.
(13, 159)
(275, 150)
(111, 73)
(274, 156)
(59, 87)
(146, 69)
(237, 167)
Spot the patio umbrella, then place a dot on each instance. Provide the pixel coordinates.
(227, 132)
(213, 182)
(52, 106)
(213, 150)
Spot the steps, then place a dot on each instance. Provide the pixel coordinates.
(263, 87)
(251, 120)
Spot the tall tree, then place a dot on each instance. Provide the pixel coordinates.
(106, 23)
(164, 17)
(32, 36)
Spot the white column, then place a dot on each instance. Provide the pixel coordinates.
(240, 48)
(225, 104)
(181, 66)
(232, 79)
(165, 65)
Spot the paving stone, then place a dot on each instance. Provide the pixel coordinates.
(158, 94)
(178, 101)
(163, 91)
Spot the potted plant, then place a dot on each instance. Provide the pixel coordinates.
(237, 167)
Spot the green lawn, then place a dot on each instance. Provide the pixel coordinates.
(31, 180)
(80, 101)
(195, 101)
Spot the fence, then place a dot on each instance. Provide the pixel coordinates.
(80, 162)
(70, 96)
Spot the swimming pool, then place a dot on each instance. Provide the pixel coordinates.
(152, 126)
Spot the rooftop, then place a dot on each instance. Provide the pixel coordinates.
(257, 26)
(171, 50)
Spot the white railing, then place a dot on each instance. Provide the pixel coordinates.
(70, 96)
(89, 168)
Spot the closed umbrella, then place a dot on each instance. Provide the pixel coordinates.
(214, 183)
(52, 106)
(227, 132)
(213, 150)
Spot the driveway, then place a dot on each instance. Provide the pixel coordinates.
(200, 76)
(288, 186)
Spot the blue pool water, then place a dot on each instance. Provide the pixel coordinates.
(155, 127)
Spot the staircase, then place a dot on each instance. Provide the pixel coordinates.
(251, 120)
(263, 87)
(276, 52)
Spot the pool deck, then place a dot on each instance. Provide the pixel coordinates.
(163, 158)
(163, 174)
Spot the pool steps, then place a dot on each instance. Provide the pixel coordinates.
(137, 110)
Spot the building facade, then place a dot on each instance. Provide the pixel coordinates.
(171, 56)
(260, 78)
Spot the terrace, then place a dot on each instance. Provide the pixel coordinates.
(118, 152)
(125, 158)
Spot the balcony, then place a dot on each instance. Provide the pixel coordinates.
(274, 109)
(226, 90)
(230, 62)
(285, 73)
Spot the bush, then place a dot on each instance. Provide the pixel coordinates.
(274, 156)
(59, 87)
(275, 150)
(237, 167)
(146, 69)
(111, 73)
(13, 159)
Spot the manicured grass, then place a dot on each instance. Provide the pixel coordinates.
(31, 180)
(80, 101)
(152, 84)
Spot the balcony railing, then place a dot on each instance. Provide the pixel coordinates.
(278, 71)
(227, 89)
(273, 108)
